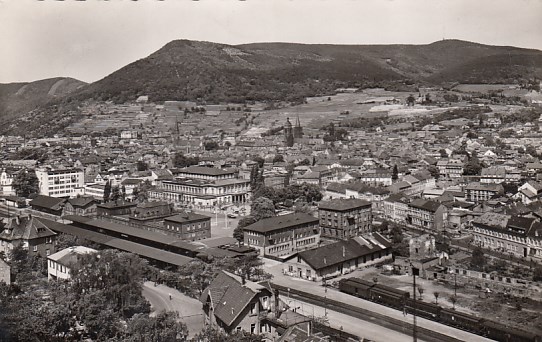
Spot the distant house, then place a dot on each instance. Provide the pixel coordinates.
(29, 233)
(49, 205)
(338, 258)
(427, 214)
(82, 206)
(478, 192)
(59, 264)
(493, 175)
(115, 208)
(529, 192)
(451, 168)
(151, 211)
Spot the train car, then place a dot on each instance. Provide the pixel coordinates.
(501, 332)
(423, 309)
(460, 320)
(389, 296)
(356, 287)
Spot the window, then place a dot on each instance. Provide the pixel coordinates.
(253, 309)
(35, 248)
(253, 328)
(47, 252)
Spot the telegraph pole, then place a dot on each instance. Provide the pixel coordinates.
(415, 272)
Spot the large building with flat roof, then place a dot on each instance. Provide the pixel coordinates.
(282, 236)
(61, 182)
(204, 187)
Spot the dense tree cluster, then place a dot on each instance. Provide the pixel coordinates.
(180, 160)
(25, 183)
(103, 302)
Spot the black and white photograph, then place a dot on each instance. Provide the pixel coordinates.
(271, 170)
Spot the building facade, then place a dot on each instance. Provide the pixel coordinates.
(518, 236)
(61, 182)
(188, 226)
(345, 218)
(284, 235)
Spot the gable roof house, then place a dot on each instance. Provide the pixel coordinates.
(82, 206)
(48, 204)
(339, 258)
(29, 233)
(231, 303)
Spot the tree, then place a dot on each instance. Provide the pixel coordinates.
(421, 290)
(395, 173)
(210, 334)
(25, 183)
(180, 160)
(115, 193)
(397, 235)
(434, 171)
(537, 273)
(238, 233)
(142, 166)
(140, 193)
(436, 294)
(473, 166)
(164, 327)
(278, 159)
(453, 299)
(262, 208)
(478, 260)
(411, 100)
(211, 146)
(107, 191)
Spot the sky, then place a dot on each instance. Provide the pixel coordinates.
(88, 40)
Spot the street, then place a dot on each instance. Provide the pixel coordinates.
(189, 309)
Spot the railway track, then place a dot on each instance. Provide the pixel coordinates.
(367, 315)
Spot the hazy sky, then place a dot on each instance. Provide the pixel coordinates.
(90, 39)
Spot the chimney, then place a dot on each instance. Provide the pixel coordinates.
(243, 279)
(277, 311)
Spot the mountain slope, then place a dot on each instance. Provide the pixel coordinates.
(216, 72)
(18, 98)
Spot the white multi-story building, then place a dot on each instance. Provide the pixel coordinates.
(61, 183)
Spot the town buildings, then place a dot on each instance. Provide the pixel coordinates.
(282, 236)
(345, 218)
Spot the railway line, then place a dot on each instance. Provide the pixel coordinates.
(367, 315)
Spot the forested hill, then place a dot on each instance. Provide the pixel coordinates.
(185, 69)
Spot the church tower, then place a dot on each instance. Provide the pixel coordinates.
(298, 130)
(288, 133)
